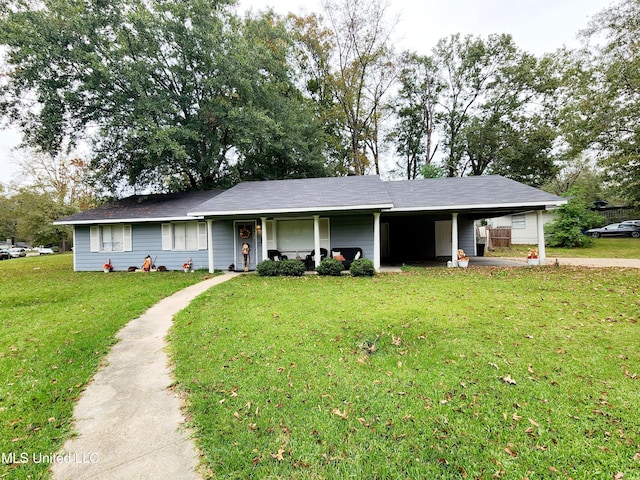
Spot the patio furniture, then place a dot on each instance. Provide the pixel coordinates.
(276, 255)
(346, 255)
(310, 260)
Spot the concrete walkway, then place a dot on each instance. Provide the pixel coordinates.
(127, 420)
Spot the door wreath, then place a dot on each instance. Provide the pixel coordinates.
(245, 233)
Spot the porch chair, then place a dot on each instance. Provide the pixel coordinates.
(276, 255)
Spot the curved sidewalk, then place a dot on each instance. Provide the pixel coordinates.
(128, 422)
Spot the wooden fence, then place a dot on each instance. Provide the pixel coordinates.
(499, 237)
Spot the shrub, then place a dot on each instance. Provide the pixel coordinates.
(363, 267)
(267, 268)
(571, 220)
(291, 268)
(330, 266)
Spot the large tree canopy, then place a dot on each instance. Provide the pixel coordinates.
(176, 94)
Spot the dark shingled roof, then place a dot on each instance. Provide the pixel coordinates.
(321, 195)
(486, 191)
(165, 206)
(303, 195)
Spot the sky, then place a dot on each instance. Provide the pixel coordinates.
(537, 26)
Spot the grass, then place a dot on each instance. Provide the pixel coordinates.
(601, 248)
(57, 325)
(436, 373)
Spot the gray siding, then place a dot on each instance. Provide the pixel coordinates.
(146, 239)
(223, 244)
(353, 231)
(467, 236)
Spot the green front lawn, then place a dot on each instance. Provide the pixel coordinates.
(57, 325)
(436, 373)
(601, 248)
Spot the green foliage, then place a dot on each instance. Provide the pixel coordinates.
(290, 267)
(362, 267)
(571, 220)
(57, 327)
(331, 267)
(432, 171)
(267, 268)
(174, 87)
(384, 379)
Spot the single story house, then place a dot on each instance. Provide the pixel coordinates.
(390, 221)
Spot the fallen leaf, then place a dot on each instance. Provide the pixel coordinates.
(507, 379)
(278, 456)
(534, 423)
(340, 414)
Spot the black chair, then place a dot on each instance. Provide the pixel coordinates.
(276, 255)
(310, 263)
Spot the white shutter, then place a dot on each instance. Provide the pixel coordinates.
(94, 240)
(127, 244)
(202, 236)
(167, 243)
(324, 234)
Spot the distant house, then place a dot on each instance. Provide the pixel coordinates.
(524, 226)
(397, 221)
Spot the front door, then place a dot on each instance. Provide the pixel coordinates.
(245, 245)
(443, 238)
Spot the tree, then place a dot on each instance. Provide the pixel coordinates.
(35, 213)
(173, 92)
(364, 72)
(607, 95)
(488, 104)
(415, 110)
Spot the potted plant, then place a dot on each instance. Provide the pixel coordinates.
(463, 259)
(107, 267)
(187, 265)
(532, 257)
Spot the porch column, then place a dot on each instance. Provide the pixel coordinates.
(316, 240)
(265, 247)
(454, 238)
(210, 245)
(542, 253)
(376, 241)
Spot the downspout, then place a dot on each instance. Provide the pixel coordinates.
(210, 245)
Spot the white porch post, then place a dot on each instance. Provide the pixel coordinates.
(542, 253)
(454, 238)
(210, 245)
(316, 239)
(265, 247)
(376, 241)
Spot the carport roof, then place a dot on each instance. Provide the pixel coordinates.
(484, 192)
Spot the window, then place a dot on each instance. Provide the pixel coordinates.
(184, 236)
(518, 221)
(110, 238)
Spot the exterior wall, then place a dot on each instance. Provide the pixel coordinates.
(223, 244)
(527, 235)
(353, 231)
(146, 240)
(467, 235)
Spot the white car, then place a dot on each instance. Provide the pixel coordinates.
(16, 252)
(45, 251)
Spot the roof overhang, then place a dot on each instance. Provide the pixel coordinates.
(279, 211)
(459, 208)
(107, 221)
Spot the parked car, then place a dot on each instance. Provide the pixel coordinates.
(45, 251)
(4, 254)
(616, 230)
(16, 252)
